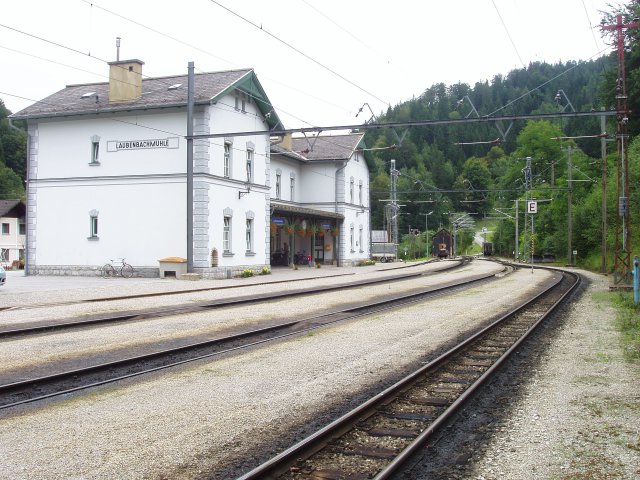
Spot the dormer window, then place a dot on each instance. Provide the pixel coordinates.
(89, 95)
(241, 101)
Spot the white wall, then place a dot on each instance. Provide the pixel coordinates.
(318, 183)
(354, 215)
(287, 167)
(140, 194)
(64, 146)
(224, 118)
(141, 220)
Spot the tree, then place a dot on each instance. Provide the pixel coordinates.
(13, 154)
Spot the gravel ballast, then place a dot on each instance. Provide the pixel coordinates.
(191, 423)
(579, 415)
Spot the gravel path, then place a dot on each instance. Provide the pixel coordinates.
(579, 417)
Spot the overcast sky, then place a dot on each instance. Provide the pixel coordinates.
(319, 61)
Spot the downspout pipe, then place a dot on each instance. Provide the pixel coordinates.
(344, 165)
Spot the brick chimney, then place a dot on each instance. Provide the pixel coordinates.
(125, 80)
(286, 142)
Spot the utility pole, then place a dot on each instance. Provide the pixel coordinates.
(528, 185)
(190, 102)
(603, 152)
(394, 208)
(622, 267)
(517, 233)
(569, 202)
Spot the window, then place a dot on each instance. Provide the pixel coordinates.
(360, 239)
(226, 235)
(93, 225)
(227, 159)
(360, 192)
(278, 185)
(22, 228)
(6, 230)
(95, 150)
(249, 165)
(292, 188)
(351, 238)
(249, 235)
(351, 191)
(4, 254)
(241, 101)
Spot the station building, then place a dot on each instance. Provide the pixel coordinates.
(107, 179)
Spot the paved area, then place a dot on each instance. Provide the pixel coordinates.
(18, 283)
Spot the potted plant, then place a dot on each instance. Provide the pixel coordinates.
(335, 231)
(300, 230)
(289, 229)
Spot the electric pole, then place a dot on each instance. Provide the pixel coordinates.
(622, 267)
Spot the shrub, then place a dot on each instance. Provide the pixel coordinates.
(364, 263)
(265, 271)
(247, 273)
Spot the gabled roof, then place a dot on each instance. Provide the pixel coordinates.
(208, 88)
(279, 150)
(12, 208)
(330, 147)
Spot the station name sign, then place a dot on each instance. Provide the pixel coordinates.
(117, 145)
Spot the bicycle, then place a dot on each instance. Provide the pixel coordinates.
(122, 268)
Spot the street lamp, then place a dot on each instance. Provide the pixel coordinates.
(426, 228)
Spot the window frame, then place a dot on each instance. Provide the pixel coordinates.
(250, 165)
(226, 162)
(6, 228)
(93, 225)
(249, 235)
(226, 234)
(351, 191)
(352, 239)
(95, 150)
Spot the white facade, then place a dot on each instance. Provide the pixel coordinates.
(108, 180)
(114, 185)
(323, 197)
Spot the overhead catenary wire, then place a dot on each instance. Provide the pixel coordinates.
(207, 52)
(508, 34)
(297, 50)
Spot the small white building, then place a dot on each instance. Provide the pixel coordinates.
(107, 178)
(12, 233)
(320, 186)
(107, 173)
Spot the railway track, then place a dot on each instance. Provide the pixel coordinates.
(375, 439)
(454, 264)
(143, 314)
(20, 391)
